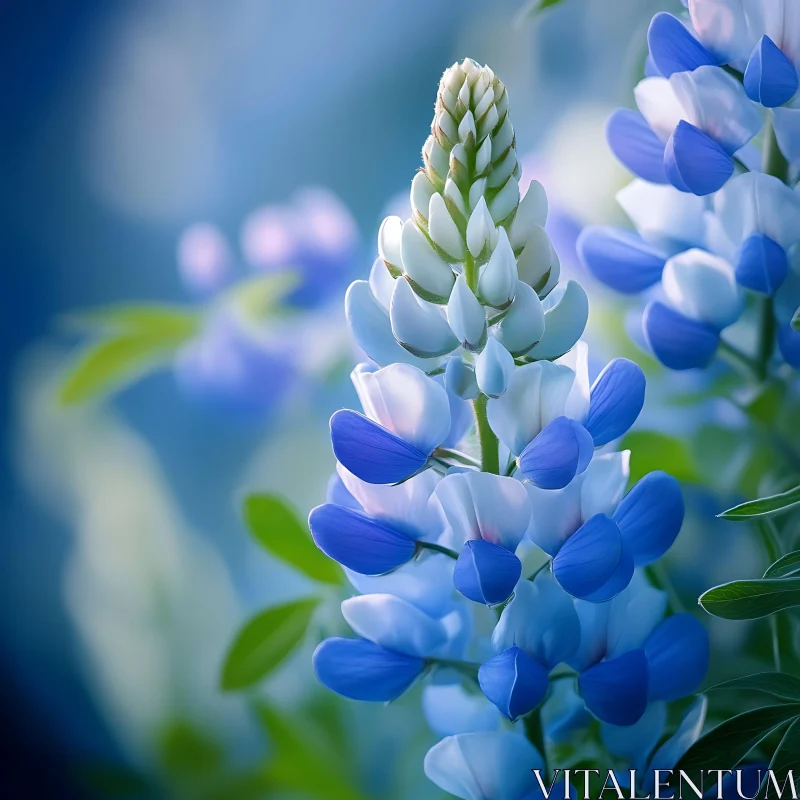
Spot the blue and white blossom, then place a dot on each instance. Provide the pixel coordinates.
(481, 441)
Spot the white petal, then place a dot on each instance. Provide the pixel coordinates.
(703, 287)
(577, 405)
(498, 278)
(407, 402)
(722, 27)
(555, 514)
(418, 325)
(536, 260)
(465, 315)
(564, 323)
(479, 505)
(389, 237)
(450, 709)
(660, 106)
(422, 264)
(394, 624)
(633, 614)
(532, 212)
(381, 282)
(442, 229)
(421, 192)
(481, 229)
(603, 484)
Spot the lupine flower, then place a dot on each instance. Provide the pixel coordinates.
(466, 328)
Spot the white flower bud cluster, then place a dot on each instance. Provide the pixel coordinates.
(473, 263)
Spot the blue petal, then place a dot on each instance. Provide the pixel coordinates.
(617, 582)
(677, 341)
(357, 541)
(616, 399)
(370, 451)
(514, 682)
(635, 145)
(678, 655)
(770, 78)
(616, 691)
(694, 162)
(673, 48)
(650, 68)
(650, 517)
(762, 265)
(620, 259)
(486, 573)
(636, 742)
(562, 450)
(361, 670)
(789, 344)
(590, 557)
(339, 494)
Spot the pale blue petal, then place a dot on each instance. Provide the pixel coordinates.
(787, 131)
(459, 379)
(339, 495)
(671, 752)
(494, 368)
(564, 323)
(484, 766)
(449, 709)
(594, 619)
(361, 670)
(419, 326)
(357, 541)
(620, 259)
(633, 615)
(541, 620)
(636, 742)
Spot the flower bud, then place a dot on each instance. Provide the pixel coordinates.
(459, 379)
(498, 279)
(505, 201)
(421, 191)
(532, 213)
(466, 315)
(514, 682)
(523, 325)
(418, 325)
(443, 231)
(389, 237)
(494, 368)
(422, 264)
(564, 323)
(481, 230)
(535, 260)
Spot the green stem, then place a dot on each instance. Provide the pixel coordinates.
(772, 547)
(471, 272)
(490, 453)
(454, 455)
(773, 162)
(539, 569)
(660, 579)
(766, 336)
(467, 668)
(534, 731)
(739, 360)
(437, 548)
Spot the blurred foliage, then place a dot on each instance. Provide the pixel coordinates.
(651, 450)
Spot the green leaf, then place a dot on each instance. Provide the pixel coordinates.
(751, 599)
(261, 297)
(276, 527)
(786, 567)
(187, 751)
(777, 684)
(727, 744)
(264, 641)
(111, 363)
(534, 7)
(786, 758)
(651, 450)
(138, 318)
(299, 763)
(114, 780)
(764, 506)
(796, 320)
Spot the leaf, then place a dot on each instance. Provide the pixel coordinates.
(764, 506)
(651, 450)
(534, 7)
(796, 320)
(187, 751)
(751, 599)
(114, 780)
(140, 318)
(299, 764)
(112, 363)
(727, 744)
(276, 528)
(261, 296)
(785, 567)
(786, 758)
(264, 641)
(777, 684)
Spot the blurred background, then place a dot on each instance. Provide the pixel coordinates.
(162, 153)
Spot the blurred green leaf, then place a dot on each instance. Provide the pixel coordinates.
(785, 758)
(727, 744)
(276, 527)
(187, 751)
(139, 318)
(534, 7)
(751, 599)
(764, 506)
(796, 320)
(114, 780)
(264, 641)
(777, 684)
(298, 764)
(111, 363)
(785, 567)
(261, 297)
(651, 450)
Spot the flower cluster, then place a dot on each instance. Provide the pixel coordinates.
(714, 221)
(479, 507)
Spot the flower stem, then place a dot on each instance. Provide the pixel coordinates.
(773, 162)
(437, 548)
(454, 455)
(772, 547)
(490, 454)
(766, 336)
(534, 731)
